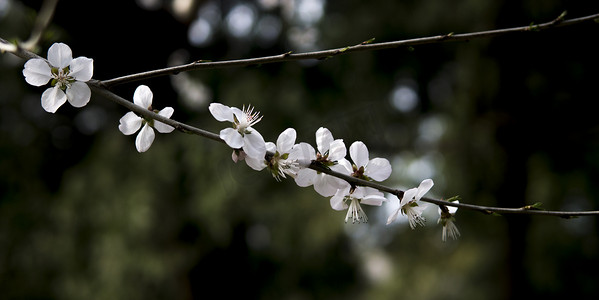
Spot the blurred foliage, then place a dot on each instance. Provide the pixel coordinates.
(507, 121)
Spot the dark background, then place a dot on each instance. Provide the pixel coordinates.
(506, 121)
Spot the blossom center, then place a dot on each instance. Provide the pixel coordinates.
(62, 78)
(355, 211)
(249, 117)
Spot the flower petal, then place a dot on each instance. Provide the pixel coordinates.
(253, 144)
(232, 138)
(270, 146)
(424, 187)
(82, 68)
(286, 140)
(324, 138)
(374, 199)
(60, 55)
(143, 96)
(167, 112)
(305, 177)
(408, 196)
(129, 123)
(144, 139)
(359, 153)
(221, 112)
(78, 94)
(343, 166)
(37, 72)
(337, 202)
(393, 216)
(325, 185)
(378, 169)
(256, 164)
(337, 150)
(53, 98)
(303, 153)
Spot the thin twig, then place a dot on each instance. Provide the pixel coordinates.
(100, 88)
(41, 23)
(364, 46)
(97, 87)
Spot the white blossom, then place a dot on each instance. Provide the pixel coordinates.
(241, 135)
(284, 158)
(410, 206)
(356, 196)
(130, 122)
(66, 75)
(329, 152)
(447, 220)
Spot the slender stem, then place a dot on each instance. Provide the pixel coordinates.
(101, 88)
(365, 46)
(483, 209)
(41, 23)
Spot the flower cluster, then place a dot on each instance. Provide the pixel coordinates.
(301, 161)
(68, 77)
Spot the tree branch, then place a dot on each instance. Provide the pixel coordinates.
(101, 88)
(364, 46)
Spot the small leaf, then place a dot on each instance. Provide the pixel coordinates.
(367, 42)
(536, 206)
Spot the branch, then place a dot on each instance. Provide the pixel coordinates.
(99, 89)
(364, 46)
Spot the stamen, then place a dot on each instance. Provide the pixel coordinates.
(355, 212)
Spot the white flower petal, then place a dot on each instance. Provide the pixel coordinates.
(286, 140)
(270, 147)
(60, 55)
(337, 202)
(378, 169)
(305, 177)
(82, 68)
(144, 139)
(221, 112)
(324, 138)
(343, 166)
(253, 144)
(37, 72)
(78, 94)
(167, 112)
(52, 99)
(129, 123)
(424, 187)
(452, 209)
(373, 199)
(256, 164)
(408, 196)
(337, 150)
(143, 96)
(393, 216)
(232, 138)
(325, 185)
(359, 153)
(303, 152)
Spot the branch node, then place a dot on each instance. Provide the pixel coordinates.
(560, 18)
